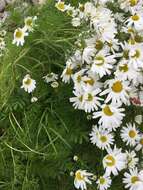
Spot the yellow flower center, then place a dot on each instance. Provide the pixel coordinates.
(134, 179)
(130, 30)
(29, 22)
(117, 87)
(132, 134)
(141, 141)
(124, 68)
(99, 45)
(81, 98)
(133, 2)
(79, 78)
(100, 60)
(18, 33)
(60, 5)
(27, 81)
(135, 17)
(78, 176)
(69, 71)
(136, 54)
(102, 180)
(81, 7)
(89, 81)
(126, 54)
(107, 111)
(103, 139)
(110, 161)
(90, 97)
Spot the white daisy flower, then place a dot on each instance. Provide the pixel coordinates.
(133, 180)
(130, 5)
(19, 35)
(114, 161)
(30, 23)
(126, 71)
(60, 5)
(28, 84)
(118, 91)
(136, 55)
(77, 100)
(132, 159)
(91, 101)
(104, 182)
(51, 77)
(67, 72)
(103, 63)
(101, 137)
(111, 116)
(76, 21)
(130, 134)
(34, 99)
(139, 145)
(136, 21)
(139, 119)
(81, 178)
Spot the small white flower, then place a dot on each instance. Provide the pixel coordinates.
(81, 178)
(118, 91)
(130, 134)
(76, 21)
(111, 116)
(91, 101)
(55, 84)
(139, 119)
(114, 161)
(28, 84)
(133, 180)
(30, 23)
(103, 63)
(132, 159)
(60, 5)
(34, 99)
(139, 143)
(19, 35)
(104, 182)
(75, 158)
(101, 137)
(51, 77)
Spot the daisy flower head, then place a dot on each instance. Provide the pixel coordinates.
(136, 56)
(136, 21)
(60, 5)
(130, 5)
(91, 101)
(91, 81)
(125, 71)
(30, 23)
(114, 161)
(111, 116)
(77, 100)
(133, 180)
(118, 91)
(67, 72)
(104, 182)
(132, 159)
(139, 145)
(130, 134)
(28, 84)
(103, 63)
(19, 35)
(101, 137)
(51, 77)
(82, 177)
